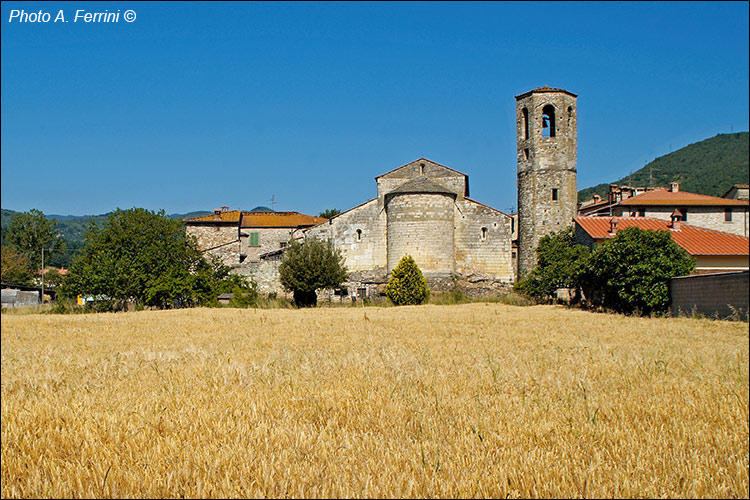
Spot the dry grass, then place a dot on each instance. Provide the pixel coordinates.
(475, 400)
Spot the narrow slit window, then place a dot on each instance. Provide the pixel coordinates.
(526, 153)
(484, 234)
(525, 113)
(554, 194)
(359, 235)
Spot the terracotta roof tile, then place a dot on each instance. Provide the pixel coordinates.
(279, 219)
(695, 240)
(225, 216)
(682, 198)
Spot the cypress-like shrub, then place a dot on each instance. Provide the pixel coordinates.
(407, 285)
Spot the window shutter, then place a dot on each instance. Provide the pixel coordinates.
(254, 240)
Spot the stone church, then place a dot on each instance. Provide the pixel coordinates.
(423, 209)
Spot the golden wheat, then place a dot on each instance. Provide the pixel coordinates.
(475, 400)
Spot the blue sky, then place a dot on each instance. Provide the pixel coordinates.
(194, 105)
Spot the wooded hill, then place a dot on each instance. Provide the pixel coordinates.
(72, 227)
(711, 167)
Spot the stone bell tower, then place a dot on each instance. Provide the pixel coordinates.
(547, 143)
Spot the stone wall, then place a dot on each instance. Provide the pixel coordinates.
(455, 181)
(483, 242)
(360, 235)
(544, 164)
(422, 225)
(711, 294)
(265, 273)
(269, 239)
(221, 240)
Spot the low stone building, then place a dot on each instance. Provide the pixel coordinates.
(250, 243)
(422, 209)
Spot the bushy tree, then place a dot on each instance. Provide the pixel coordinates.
(407, 284)
(630, 273)
(559, 263)
(144, 257)
(29, 232)
(16, 268)
(310, 266)
(329, 213)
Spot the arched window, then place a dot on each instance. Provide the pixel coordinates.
(484, 233)
(359, 235)
(548, 121)
(525, 113)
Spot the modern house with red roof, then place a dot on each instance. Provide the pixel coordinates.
(714, 251)
(722, 214)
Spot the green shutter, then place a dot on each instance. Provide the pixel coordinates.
(254, 240)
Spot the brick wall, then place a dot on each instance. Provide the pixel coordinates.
(711, 294)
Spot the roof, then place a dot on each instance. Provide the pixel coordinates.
(544, 89)
(421, 160)
(225, 216)
(695, 240)
(279, 219)
(422, 184)
(736, 186)
(681, 198)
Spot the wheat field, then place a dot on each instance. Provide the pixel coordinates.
(473, 400)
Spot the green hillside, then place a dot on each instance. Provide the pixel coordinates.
(707, 167)
(72, 227)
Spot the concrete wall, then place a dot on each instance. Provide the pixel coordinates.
(711, 294)
(221, 240)
(722, 263)
(19, 298)
(544, 164)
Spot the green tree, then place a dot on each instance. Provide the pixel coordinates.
(559, 264)
(145, 257)
(16, 268)
(630, 273)
(407, 284)
(329, 213)
(29, 232)
(310, 266)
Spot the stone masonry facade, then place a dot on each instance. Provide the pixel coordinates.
(546, 131)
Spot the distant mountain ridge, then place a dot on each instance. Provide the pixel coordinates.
(711, 167)
(72, 227)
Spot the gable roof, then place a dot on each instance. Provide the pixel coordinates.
(422, 184)
(695, 240)
(279, 219)
(224, 216)
(421, 160)
(665, 197)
